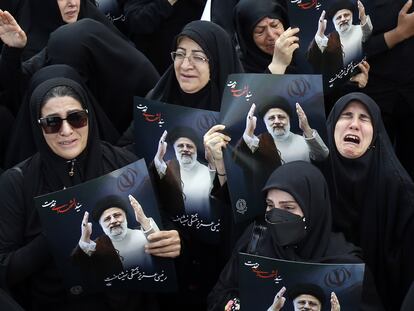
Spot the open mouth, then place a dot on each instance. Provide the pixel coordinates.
(352, 139)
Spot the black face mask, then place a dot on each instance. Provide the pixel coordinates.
(286, 228)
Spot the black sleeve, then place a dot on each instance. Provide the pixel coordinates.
(15, 74)
(21, 255)
(370, 300)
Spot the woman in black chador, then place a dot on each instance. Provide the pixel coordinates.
(297, 227)
(372, 194)
(69, 152)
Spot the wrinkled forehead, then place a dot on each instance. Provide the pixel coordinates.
(188, 44)
(342, 12)
(307, 298)
(356, 106)
(275, 112)
(184, 140)
(111, 211)
(267, 21)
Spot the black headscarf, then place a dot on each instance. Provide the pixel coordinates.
(113, 69)
(39, 18)
(247, 13)
(97, 159)
(373, 204)
(22, 145)
(307, 185)
(223, 61)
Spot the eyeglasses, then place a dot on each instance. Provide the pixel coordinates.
(76, 119)
(192, 58)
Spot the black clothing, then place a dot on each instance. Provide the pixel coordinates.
(247, 13)
(391, 79)
(26, 265)
(39, 18)
(153, 25)
(223, 61)
(308, 186)
(102, 58)
(222, 14)
(6, 123)
(22, 145)
(114, 70)
(373, 204)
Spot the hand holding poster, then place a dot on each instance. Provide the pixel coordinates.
(116, 214)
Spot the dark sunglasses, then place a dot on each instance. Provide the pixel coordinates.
(52, 125)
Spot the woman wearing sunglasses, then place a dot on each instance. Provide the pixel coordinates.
(69, 152)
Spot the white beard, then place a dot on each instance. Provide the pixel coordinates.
(279, 134)
(186, 162)
(344, 28)
(117, 233)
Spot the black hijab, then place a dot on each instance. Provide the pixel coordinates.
(39, 18)
(95, 160)
(223, 61)
(307, 185)
(247, 13)
(373, 204)
(113, 69)
(22, 145)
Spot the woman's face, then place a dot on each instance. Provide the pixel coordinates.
(191, 66)
(69, 9)
(284, 200)
(353, 131)
(266, 32)
(68, 142)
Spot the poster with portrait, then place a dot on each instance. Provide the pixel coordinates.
(170, 138)
(262, 278)
(101, 213)
(339, 51)
(247, 168)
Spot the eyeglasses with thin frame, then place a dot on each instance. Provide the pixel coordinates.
(52, 124)
(192, 58)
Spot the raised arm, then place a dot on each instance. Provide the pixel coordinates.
(10, 32)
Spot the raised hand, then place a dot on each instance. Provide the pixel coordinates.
(86, 229)
(303, 121)
(322, 25)
(162, 147)
(10, 32)
(250, 122)
(279, 300)
(335, 306)
(361, 13)
(139, 213)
